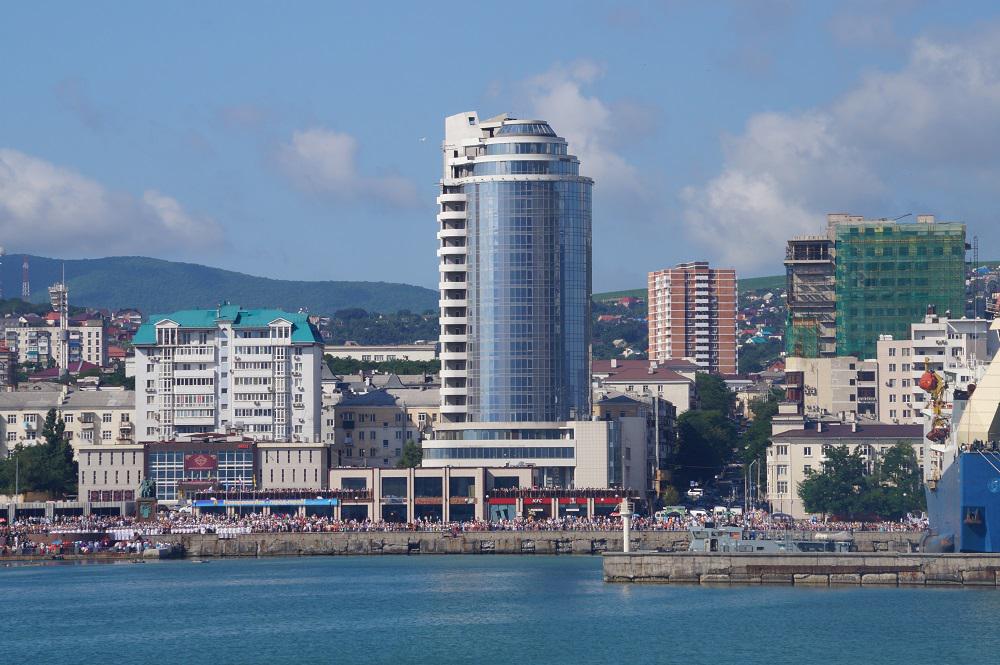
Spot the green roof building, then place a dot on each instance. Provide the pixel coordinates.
(254, 372)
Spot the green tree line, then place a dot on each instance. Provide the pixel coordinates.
(47, 466)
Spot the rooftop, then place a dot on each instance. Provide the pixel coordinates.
(209, 319)
(861, 431)
(78, 399)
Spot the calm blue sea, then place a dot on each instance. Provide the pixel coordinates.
(462, 609)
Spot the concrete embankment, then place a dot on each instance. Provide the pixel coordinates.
(858, 568)
(485, 542)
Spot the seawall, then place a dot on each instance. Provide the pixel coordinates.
(857, 568)
(479, 542)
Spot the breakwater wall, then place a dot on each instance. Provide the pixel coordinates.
(856, 568)
(479, 542)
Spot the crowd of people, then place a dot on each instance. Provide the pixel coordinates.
(96, 533)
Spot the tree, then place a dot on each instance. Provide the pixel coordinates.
(843, 488)
(901, 482)
(45, 467)
(839, 489)
(705, 441)
(714, 394)
(757, 436)
(670, 496)
(412, 456)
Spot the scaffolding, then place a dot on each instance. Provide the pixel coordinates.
(886, 275)
(810, 329)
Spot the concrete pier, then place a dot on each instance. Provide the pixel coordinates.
(855, 568)
(473, 542)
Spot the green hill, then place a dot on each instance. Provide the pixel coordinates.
(154, 285)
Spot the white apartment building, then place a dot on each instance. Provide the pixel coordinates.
(92, 417)
(955, 348)
(229, 369)
(797, 452)
(36, 339)
(840, 387)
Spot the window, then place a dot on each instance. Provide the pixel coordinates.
(782, 487)
(781, 450)
(892, 352)
(782, 469)
(807, 469)
(11, 418)
(105, 417)
(807, 451)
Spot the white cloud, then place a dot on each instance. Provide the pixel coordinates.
(940, 113)
(324, 162)
(590, 125)
(49, 209)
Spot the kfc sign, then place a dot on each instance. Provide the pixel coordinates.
(200, 462)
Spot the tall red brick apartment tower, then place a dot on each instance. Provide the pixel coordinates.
(692, 314)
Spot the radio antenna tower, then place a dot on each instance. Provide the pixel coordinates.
(25, 282)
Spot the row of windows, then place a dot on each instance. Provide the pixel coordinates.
(194, 381)
(252, 380)
(253, 413)
(488, 452)
(504, 434)
(526, 149)
(526, 167)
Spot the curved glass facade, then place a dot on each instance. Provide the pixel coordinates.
(529, 279)
(526, 129)
(526, 149)
(527, 167)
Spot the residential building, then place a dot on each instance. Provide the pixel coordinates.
(382, 353)
(649, 436)
(958, 349)
(371, 428)
(8, 368)
(92, 417)
(672, 381)
(515, 264)
(796, 453)
(884, 274)
(229, 369)
(35, 339)
(842, 387)
(692, 314)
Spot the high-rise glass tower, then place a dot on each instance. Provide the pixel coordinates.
(515, 264)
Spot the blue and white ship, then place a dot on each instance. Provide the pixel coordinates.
(962, 473)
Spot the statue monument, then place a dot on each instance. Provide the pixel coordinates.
(145, 504)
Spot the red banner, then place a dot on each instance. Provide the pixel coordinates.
(580, 500)
(607, 500)
(200, 462)
(503, 501)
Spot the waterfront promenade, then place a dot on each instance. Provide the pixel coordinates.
(270, 535)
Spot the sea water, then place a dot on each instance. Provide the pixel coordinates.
(467, 609)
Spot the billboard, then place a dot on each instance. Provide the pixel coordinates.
(200, 462)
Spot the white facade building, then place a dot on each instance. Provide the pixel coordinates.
(955, 348)
(36, 340)
(254, 371)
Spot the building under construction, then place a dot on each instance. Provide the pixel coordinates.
(867, 278)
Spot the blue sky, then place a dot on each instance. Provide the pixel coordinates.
(301, 140)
